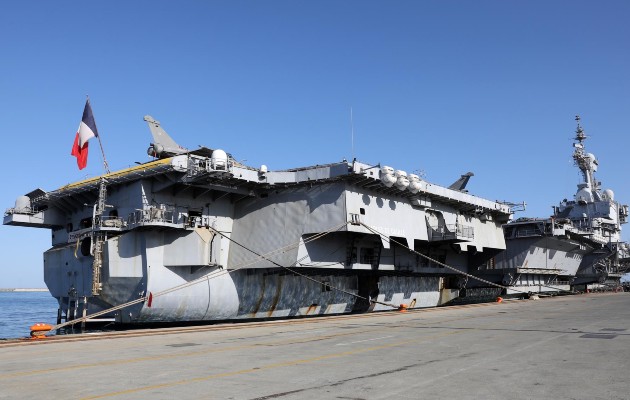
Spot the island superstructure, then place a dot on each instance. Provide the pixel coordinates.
(579, 244)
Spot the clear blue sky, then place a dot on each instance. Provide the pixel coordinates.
(443, 87)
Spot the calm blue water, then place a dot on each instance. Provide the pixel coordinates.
(20, 310)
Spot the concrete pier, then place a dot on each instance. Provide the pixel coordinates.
(574, 347)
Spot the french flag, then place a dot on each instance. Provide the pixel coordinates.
(86, 131)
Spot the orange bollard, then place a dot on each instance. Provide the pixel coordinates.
(39, 330)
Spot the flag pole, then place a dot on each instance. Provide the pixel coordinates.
(105, 165)
(103, 153)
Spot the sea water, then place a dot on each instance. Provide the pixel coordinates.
(20, 310)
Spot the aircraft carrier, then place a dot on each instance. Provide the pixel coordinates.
(196, 236)
(580, 244)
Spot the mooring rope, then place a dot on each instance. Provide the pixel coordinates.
(389, 240)
(205, 278)
(266, 257)
(313, 279)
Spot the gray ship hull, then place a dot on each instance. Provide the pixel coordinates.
(540, 257)
(228, 281)
(195, 236)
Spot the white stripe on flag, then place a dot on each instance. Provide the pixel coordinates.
(85, 134)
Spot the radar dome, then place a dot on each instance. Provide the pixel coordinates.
(219, 159)
(23, 203)
(610, 195)
(584, 196)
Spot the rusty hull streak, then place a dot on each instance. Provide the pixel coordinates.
(276, 296)
(261, 298)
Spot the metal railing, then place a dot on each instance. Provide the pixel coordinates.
(151, 215)
(451, 232)
(23, 211)
(200, 166)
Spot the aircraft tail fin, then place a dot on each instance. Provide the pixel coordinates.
(163, 145)
(461, 183)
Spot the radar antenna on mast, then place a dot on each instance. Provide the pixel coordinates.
(580, 136)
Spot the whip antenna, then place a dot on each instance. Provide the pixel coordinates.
(352, 133)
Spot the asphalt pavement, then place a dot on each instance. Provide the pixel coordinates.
(572, 347)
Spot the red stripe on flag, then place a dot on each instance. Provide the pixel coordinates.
(81, 153)
(86, 131)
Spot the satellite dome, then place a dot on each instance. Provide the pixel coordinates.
(584, 196)
(610, 195)
(22, 204)
(219, 159)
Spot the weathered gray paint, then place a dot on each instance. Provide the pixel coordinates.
(179, 219)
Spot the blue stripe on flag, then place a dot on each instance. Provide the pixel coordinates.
(88, 117)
